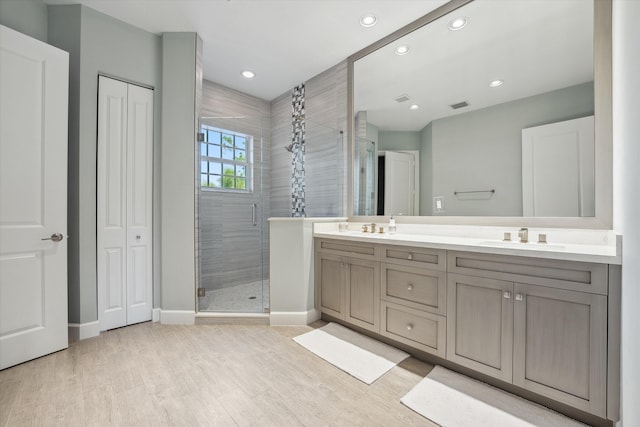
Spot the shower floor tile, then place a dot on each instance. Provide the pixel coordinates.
(249, 298)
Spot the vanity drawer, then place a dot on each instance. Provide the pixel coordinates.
(418, 329)
(571, 275)
(418, 288)
(435, 259)
(346, 247)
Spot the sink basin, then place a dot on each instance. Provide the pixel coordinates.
(518, 245)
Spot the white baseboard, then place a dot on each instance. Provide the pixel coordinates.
(81, 331)
(177, 317)
(288, 318)
(155, 314)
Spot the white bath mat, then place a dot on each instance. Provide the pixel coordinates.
(360, 356)
(451, 400)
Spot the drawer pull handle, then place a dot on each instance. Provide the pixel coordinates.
(410, 257)
(519, 297)
(506, 294)
(409, 326)
(410, 287)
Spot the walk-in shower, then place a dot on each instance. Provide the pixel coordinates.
(232, 216)
(245, 177)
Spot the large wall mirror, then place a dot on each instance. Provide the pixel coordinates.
(487, 112)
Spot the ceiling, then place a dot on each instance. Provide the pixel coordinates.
(285, 42)
(534, 46)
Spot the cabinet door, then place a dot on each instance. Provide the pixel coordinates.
(480, 324)
(363, 294)
(331, 280)
(560, 344)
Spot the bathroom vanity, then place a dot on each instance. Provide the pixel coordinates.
(540, 318)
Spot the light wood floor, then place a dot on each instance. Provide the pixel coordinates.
(203, 375)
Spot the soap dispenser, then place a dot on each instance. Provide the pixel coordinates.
(392, 226)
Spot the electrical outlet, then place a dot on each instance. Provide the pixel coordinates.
(438, 204)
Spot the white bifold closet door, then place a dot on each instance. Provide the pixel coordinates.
(125, 187)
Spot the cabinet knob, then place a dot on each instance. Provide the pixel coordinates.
(506, 294)
(410, 287)
(519, 297)
(409, 326)
(410, 256)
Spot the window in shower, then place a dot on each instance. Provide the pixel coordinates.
(225, 160)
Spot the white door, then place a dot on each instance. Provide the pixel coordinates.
(125, 167)
(399, 183)
(558, 169)
(33, 198)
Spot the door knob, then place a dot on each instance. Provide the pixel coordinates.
(56, 237)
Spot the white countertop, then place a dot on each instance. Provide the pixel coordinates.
(601, 246)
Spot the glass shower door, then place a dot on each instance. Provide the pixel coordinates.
(233, 273)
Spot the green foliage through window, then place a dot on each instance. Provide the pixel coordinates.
(224, 160)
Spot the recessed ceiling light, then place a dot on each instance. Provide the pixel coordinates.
(248, 74)
(496, 83)
(414, 107)
(458, 23)
(368, 20)
(402, 50)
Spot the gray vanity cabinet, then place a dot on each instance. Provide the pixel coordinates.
(480, 324)
(414, 294)
(331, 273)
(548, 326)
(544, 337)
(560, 345)
(348, 282)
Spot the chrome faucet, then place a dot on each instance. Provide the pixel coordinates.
(523, 234)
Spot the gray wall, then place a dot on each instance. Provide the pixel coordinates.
(97, 44)
(626, 138)
(27, 16)
(483, 150)
(326, 115)
(232, 250)
(181, 72)
(426, 170)
(397, 140)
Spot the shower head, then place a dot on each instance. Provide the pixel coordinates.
(289, 148)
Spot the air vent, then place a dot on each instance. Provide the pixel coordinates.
(459, 105)
(403, 98)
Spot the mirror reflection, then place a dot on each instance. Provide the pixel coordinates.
(486, 111)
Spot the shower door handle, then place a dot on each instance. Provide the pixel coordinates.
(254, 219)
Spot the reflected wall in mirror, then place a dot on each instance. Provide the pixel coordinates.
(500, 112)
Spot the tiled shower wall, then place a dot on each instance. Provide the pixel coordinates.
(222, 218)
(325, 147)
(231, 251)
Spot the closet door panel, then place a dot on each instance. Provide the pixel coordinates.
(139, 204)
(111, 215)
